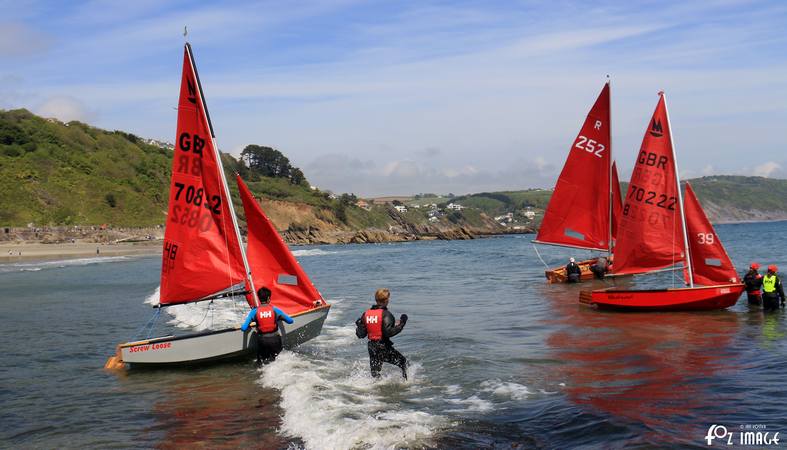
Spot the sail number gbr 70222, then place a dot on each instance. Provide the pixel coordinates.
(196, 202)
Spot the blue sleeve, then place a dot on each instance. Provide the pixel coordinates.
(283, 315)
(249, 318)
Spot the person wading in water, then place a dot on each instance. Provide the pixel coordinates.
(753, 282)
(772, 290)
(267, 318)
(573, 272)
(379, 325)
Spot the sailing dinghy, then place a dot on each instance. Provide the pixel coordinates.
(586, 201)
(658, 230)
(203, 257)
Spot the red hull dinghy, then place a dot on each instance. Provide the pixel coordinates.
(698, 298)
(658, 230)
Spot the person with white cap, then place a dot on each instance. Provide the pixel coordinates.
(573, 272)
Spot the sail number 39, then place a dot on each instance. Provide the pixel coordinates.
(589, 145)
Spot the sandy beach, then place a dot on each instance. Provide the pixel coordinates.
(13, 252)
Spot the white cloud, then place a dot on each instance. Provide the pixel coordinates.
(767, 169)
(64, 108)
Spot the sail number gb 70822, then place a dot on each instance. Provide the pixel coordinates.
(589, 145)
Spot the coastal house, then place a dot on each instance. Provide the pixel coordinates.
(400, 208)
(455, 206)
(505, 218)
(363, 204)
(530, 215)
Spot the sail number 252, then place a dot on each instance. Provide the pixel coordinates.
(589, 145)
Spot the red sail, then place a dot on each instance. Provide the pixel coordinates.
(202, 255)
(649, 232)
(578, 212)
(272, 264)
(709, 261)
(617, 203)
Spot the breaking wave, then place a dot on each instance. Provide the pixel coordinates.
(58, 264)
(204, 315)
(311, 252)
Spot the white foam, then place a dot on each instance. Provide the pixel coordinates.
(153, 299)
(58, 264)
(510, 390)
(473, 403)
(328, 404)
(311, 252)
(452, 389)
(204, 315)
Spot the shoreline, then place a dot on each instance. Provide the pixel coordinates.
(37, 251)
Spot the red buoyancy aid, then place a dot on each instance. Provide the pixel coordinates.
(373, 318)
(266, 319)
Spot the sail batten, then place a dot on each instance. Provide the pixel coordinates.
(578, 214)
(202, 253)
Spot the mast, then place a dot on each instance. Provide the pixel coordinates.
(687, 256)
(223, 179)
(611, 197)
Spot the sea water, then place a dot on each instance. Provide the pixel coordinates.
(498, 358)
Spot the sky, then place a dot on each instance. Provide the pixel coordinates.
(397, 98)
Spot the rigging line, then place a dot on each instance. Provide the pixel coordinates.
(539, 256)
(138, 334)
(154, 320)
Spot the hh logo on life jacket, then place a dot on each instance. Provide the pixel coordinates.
(267, 314)
(371, 319)
(655, 128)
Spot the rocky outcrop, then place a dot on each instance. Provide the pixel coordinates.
(313, 235)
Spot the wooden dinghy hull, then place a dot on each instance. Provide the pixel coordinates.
(215, 345)
(698, 298)
(558, 274)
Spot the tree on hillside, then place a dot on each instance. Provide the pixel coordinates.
(269, 162)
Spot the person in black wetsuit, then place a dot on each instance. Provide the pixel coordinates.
(600, 268)
(573, 272)
(753, 282)
(267, 318)
(379, 325)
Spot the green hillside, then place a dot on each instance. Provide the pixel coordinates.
(60, 174)
(54, 173)
(724, 197)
